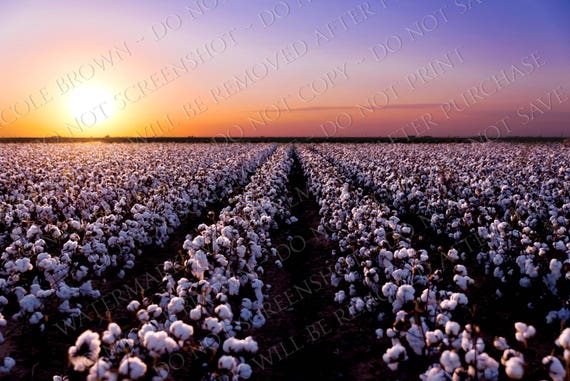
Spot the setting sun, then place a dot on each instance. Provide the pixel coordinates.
(91, 104)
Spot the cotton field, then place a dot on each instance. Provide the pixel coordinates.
(450, 260)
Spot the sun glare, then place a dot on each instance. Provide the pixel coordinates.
(91, 104)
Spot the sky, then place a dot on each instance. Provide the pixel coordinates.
(237, 68)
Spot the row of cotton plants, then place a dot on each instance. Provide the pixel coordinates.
(511, 201)
(424, 311)
(86, 212)
(209, 303)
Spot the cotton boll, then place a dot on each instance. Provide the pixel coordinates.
(564, 339)
(244, 371)
(415, 339)
(181, 331)
(450, 361)
(514, 368)
(154, 310)
(158, 343)
(196, 313)
(524, 332)
(99, 371)
(132, 367)
(500, 343)
(463, 281)
(235, 345)
(133, 305)
(258, 320)
(453, 255)
(340, 296)
(434, 337)
(212, 324)
(379, 333)
(85, 351)
(29, 303)
(394, 355)
(36, 318)
(452, 328)
(556, 370)
(23, 264)
(7, 365)
(447, 304)
(224, 311)
(227, 362)
(143, 316)
(434, 373)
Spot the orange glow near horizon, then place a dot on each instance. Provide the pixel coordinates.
(93, 70)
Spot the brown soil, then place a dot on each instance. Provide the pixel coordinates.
(307, 335)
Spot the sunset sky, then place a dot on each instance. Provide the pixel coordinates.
(285, 68)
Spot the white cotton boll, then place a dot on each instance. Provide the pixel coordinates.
(452, 328)
(463, 281)
(459, 298)
(340, 296)
(524, 332)
(564, 339)
(460, 269)
(525, 282)
(379, 333)
(450, 361)
(99, 371)
(132, 367)
(415, 339)
(514, 368)
(434, 373)
(555, 266)
(434, 337)
(36, 317)
(133, 305)
(258, 320)
(29, 303)
(168, 266)
(143, 315)
(442, 318)
(556, 370)
(85, 351)
(233, 286)
(448, 305)
(245, 314)
(453, 255)
(23, 264)
(227, 362)
(154, 310)
(159, 343)
(112, 333)
(241, 250)
(393, 355)
(500, 343)
(7, 365)
(175, 305)
(498, 273)
(235, 345)
(221, 297)
(405, 294)
(212, 324)
(224, 311)
(244, 371)
(196, 313)
(389, 290)
(181, 330)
